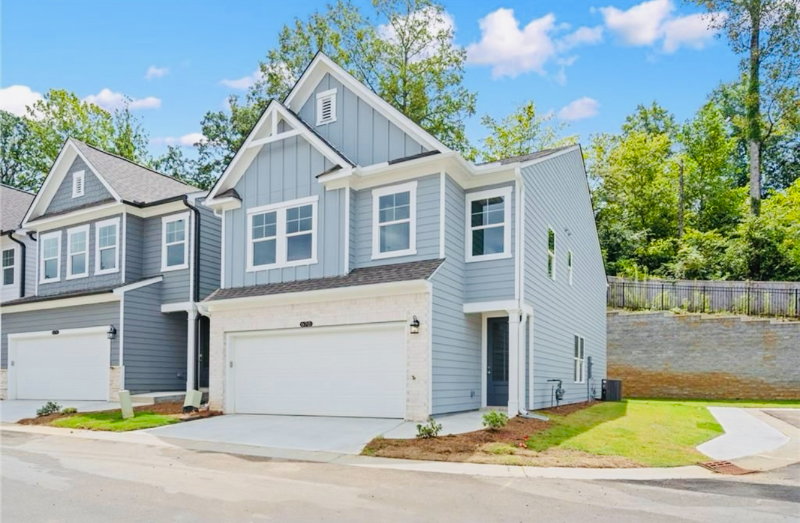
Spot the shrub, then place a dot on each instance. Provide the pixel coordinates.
(69, 410)
(49, 408)
(495, 420)
(429, 430)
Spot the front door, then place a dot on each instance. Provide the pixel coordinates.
(497, 362)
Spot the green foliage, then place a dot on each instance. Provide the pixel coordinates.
(15, 161)
(69, 410)
(495, 420)
(114, 422)
(50, 407)
(428, 430)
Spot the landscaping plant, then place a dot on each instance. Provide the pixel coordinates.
(69, 410)
(428, 430)
(494, 420)
(50, 407)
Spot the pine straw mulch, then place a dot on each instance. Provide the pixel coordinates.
(505, 446)
(172, 408)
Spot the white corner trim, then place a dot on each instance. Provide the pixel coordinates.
(442, 222)
(165, 220)
(411, 188)
(183, 306)
(505, 193)
(490, 306)
(518, 282)
(346, 262)
(222, 252)
(105, 297)
(100, 225)
(139, 284)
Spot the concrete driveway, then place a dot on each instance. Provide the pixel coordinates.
(11, 411)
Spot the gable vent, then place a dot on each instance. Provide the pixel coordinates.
(326, 107)
(77, 184)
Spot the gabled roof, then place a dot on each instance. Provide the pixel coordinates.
(14, 203)
(528, 157)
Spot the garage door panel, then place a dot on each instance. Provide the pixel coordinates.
(331, 372)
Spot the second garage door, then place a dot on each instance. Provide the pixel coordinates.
(354, 371)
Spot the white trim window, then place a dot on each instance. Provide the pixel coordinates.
(551, 253)
(106, 252)
(282, 235)
(175, 242)
(489, 224)
(78, 252)
(9, 266)
(78, 179)
(394, 221)
(50, 264)
(569, 267)
(579, 370)
(326, 107)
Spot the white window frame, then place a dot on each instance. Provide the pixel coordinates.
(330, 94)
(570, 264)
(13, 267)
(505, 193)
(164, 221)
(579, 361)
(43, 238)
(411, 188)
(78, 175)
(97, 227)
(70, 232)
(551, 255)
(281, 238)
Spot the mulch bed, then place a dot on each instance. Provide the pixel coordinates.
(167, 408)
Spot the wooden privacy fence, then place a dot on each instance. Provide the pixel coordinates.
(780, 300)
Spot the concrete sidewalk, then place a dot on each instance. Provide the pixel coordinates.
(745, 435)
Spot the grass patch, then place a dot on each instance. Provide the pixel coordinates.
(113, 422)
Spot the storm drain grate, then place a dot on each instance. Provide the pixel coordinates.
(725, 467)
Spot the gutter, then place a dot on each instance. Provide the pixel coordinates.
(22, 268)
(195, 283)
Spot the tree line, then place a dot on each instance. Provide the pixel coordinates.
(715, 197)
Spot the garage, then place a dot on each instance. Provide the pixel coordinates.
(71, 365)
(352, 371)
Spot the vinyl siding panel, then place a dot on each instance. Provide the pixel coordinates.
(94, 191)
(175, 287)
(210, 251)
(75, 317)
(557, 195)
(134, 234)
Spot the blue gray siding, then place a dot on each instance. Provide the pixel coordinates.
(175, 287)
(74, 317)
(557, 195)
(360, 132)
(281, 172)
(12, 292)
(427, 224)
(94, 191)
(134, 235)
(210, 250)
(154, 343)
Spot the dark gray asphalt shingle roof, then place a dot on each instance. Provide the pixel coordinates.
(131, 181)
(527, 157)
(14, 204)
(419, 270)
(72, 294)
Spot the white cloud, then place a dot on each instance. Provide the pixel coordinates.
(109, 100)
(187, 140)
(651, 22)
(579, 109)
(243, 83)
(155, 72)
(443, 22)
(511, 50)
(16, 98)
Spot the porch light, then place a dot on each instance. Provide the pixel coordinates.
(112, 332)
(414, 326)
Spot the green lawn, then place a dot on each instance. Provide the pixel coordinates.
(655, 433)
(112, 421)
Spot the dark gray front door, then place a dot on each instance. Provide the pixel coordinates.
(497, 362)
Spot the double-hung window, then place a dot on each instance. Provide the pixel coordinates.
(551, 254)
(580, 360)
(282, 235)
(174, 242)
(489, 224)
(106, 254)
(9, 266)
(394, 221)
(569, 267)
(78, 252)
(50, 264)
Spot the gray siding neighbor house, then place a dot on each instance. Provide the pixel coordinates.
(117, 258)
(369, 270)
(18, 249)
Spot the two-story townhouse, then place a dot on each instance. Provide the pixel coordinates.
(369, 270)
(122, 256)
(17, 248)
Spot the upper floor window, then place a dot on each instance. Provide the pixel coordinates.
(174, 242)
(580, 360)
(551, 254)
(106, 253)
(9, 266)
(394, 221)
(282, 235)
(569, 267)
(50, 247)
(326, 107)
(489, 224)
(77, 184)
(77, 252)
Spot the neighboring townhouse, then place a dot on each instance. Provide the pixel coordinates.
(18, 249)
(369, 270)
(122, 255)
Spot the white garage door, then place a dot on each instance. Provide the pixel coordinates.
(341, 371)
(61, 367)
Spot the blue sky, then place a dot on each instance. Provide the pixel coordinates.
(602, 56)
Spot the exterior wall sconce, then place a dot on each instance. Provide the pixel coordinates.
(112, 332)
(414, 326)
